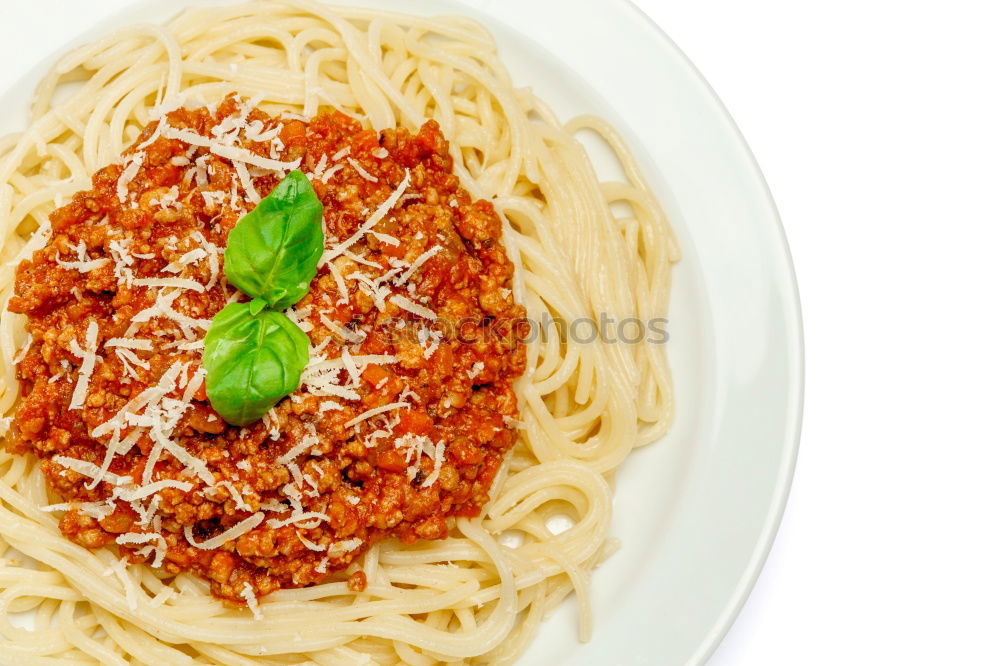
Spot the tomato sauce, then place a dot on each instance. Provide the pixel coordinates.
(366, 480)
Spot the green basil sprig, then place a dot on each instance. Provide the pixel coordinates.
(252, 361)
(273, 250)
(254, 354)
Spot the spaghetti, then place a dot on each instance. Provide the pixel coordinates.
(480, 595)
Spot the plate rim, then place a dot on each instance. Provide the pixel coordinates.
(796, 358)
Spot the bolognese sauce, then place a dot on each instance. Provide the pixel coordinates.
(405, 411)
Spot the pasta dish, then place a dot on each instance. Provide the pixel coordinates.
(295, 346)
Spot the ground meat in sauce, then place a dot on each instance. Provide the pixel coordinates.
(179, 208)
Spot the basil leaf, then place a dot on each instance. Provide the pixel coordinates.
(252, 361)
(273, 250)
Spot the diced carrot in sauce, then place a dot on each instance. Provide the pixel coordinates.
(374, 374)
(419, 423)
(391, 460)
(390, 250)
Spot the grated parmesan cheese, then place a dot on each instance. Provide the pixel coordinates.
(237, 496)
(163, 308)
(274, 506)
(308, 442)
(438, 461)
(191, 257)
(309, 544)
(142, 492)
(235, 154)
(417, 263)
(146, 537)
(377, 292)
(176, 282)
(139, 344)
(425, 336)
(83, 263)
(123, 260)
(511, 422)
(247, 182)
(317, 173)
(314, 491)
(298, 317)
(187, 136)
(128, 174)
(213, 252)
(375, 218)
(298, 517)
(340, 548)
(96, 510)
(234, 532)
(341, 285)
(364, 416)
(414, 308)
(350, 366)
(361, 170)
(371, 440)
(192, 387)
(201, 171)
(248, 595)
(340, 330)
(154, 136)
(147, 516)
(89, 356)
(128, 359)
(329, 173)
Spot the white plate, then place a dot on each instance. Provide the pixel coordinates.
(697, 512)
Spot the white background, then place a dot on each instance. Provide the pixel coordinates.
(877, 125)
